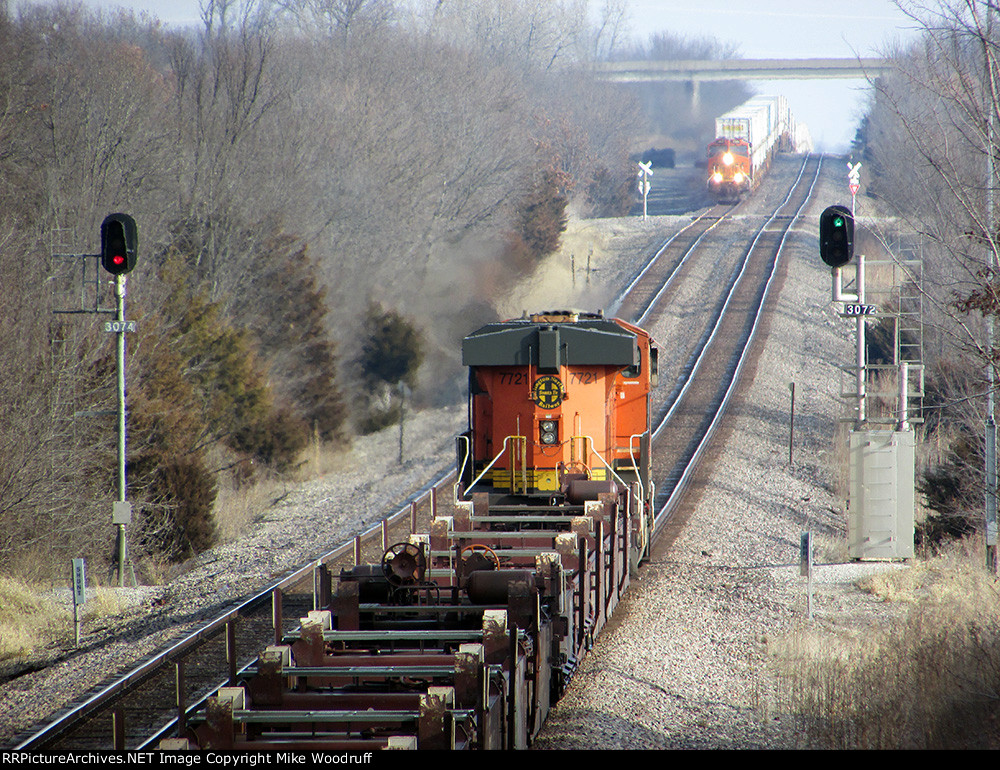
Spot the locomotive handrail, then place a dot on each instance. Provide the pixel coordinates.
(635, 464)
(585, 439)
(492, 462)
(465, 462)
(598, 455)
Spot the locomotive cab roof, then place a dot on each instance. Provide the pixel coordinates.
(550, 340)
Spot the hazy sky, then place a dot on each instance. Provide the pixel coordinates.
(766, 29)
(760, 29)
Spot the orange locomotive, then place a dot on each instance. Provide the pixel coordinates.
(559, 414)
(746, 139)
(729, 168)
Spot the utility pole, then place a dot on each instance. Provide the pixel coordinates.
(990, 427)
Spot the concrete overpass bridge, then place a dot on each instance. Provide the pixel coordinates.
(694, 72)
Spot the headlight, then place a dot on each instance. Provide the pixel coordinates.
(547, 430)
(738, 177)
(717, 177)
(728, 159)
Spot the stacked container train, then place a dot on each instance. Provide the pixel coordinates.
(463, 637)
(746, 139)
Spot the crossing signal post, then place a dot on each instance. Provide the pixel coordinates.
(645, 172)
(882, 462)
(119, 247)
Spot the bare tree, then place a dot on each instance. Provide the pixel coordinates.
(527, 36)
(930, 140)
(930, 123)
(324, 152)
(223, 93)
(612, 27)
(99, 114)
(335, 18)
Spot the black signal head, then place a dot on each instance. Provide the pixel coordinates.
(836, 236)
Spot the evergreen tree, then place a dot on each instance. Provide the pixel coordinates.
(393, 349)
(539, 221)
(227, 379)
(285, 307)
(390, 357)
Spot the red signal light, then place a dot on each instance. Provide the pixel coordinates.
(118, 243)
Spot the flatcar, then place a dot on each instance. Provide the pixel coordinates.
(464, 637)
(746, 139)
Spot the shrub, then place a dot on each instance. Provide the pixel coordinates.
(179, 521)
(276, 440)
(393, 348)
(541, 217)
(391, 355)
(610, 194)
(950, 492)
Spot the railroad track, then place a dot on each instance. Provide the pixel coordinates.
(156, 699)
(712, 362)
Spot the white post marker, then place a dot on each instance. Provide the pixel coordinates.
(645, 171)
(79, 594)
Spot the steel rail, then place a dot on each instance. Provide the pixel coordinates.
(708, 336)
(663, 514)
(621, 296)
(675, 271)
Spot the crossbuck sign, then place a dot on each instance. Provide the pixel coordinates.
(854, 177)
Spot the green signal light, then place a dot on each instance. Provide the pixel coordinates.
(836, 236)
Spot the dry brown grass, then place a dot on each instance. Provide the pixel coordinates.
(33, 619)
(239, 505)
(926, 676)
(28, 620)
(830, 549)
